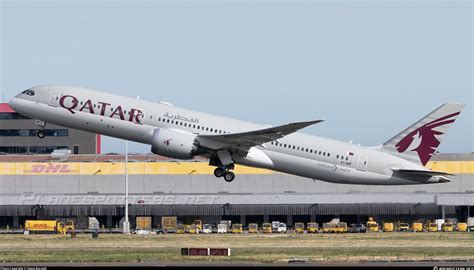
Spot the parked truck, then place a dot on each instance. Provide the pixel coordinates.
(237, 228)
(313, 227)
(447, 227)
(388, 227)
(372, 225)
(49, 226)
(227, 223)
(299, 227)
(470, 224)
(169, 224)
(267, 228)
(207, 228)
(329, 227)
(221, 228)
(417, 227)
(143, 223)
(253, 228)
(431, 227)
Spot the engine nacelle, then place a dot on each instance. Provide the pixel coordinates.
(173, 144)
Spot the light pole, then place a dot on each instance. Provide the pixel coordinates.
(126, 223)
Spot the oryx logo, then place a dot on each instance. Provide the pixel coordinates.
(423, 140)
(167, 142)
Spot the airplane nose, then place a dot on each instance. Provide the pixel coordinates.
(12, 103)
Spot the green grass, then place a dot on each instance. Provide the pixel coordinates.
(255, 248)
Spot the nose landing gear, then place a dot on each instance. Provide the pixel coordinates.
(40, 134)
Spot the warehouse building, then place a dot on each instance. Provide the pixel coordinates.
(93, 185)
(19, 135)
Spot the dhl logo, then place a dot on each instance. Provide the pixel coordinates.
(50, 168)
(40, 226)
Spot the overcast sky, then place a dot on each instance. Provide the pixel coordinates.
(370, 68)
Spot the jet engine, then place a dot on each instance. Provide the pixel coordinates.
(173, 143)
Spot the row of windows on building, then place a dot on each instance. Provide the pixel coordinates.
(33, 132)
(307, 150)
(31, 149)
(11, 116)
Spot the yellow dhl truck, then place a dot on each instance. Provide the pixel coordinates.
(387, 227)
(372, 225)
(253, 228)
(49, 226)
(180, 228)
(431, 227)
(237, 228)
(313, 227)
(299, 227)
(447, 227)
(329, 227)
(461, 227)
(267, 228)
(341, 227)
(417, 227)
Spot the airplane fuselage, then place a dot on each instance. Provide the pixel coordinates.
(136, 120)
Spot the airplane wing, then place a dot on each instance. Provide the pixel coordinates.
(251, 138)
(421, 172)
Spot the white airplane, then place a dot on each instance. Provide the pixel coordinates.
(183, 134)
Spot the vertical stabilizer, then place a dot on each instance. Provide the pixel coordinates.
(418, 142)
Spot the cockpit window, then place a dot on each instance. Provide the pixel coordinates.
(29, 92)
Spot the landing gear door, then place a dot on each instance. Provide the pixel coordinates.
(54, 99)
(362, 164)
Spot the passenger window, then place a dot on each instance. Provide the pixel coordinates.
(194, 126)
(311, 151)
(284, 145)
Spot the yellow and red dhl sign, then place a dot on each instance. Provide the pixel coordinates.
(116, 168)
(50, 168)
(170, 168)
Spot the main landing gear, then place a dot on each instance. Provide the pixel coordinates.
(221, 172)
